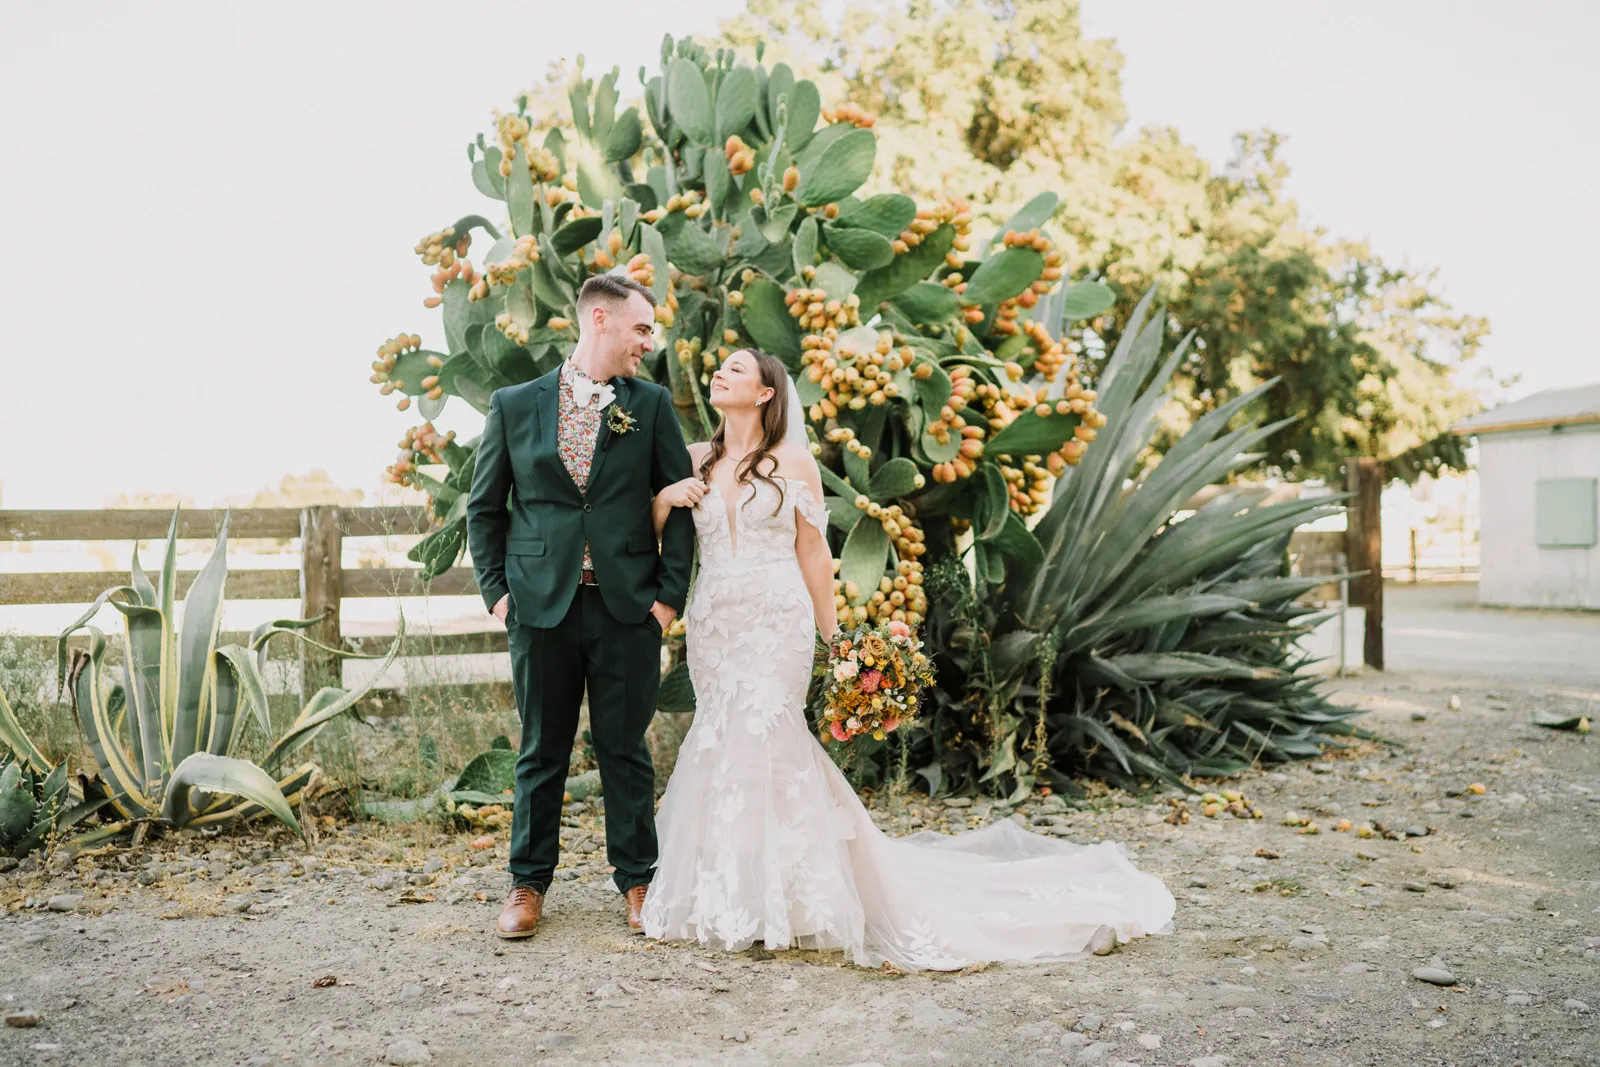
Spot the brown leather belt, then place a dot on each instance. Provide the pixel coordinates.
(587, 578)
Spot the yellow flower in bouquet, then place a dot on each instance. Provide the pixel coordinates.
(875, 677)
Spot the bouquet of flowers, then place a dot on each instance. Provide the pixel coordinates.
(874, 679)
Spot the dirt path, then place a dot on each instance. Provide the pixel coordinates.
(1303, 959)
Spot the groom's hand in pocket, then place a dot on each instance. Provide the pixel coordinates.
(502, 607)
(663, 614)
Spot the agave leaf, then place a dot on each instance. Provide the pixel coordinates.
(221, 728)
(262, 635)
(16, 739)
(141, 582)
(223, 774)
(1208, 426)
(313, 717)
(1184, 551)
(1149, 611)
(1098, 730)
(123, 781)
(166, 590)
(146, 640)
(129, 594)
(244, 677)
(1078, 490)
(1130, 521)
(202, 623)
(1014, 649)
(1267, 590)
(1155, 667)
(291, 787)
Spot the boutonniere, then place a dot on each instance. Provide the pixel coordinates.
(621, 421)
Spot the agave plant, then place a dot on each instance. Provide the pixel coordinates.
(1142, 643)
(164, 736)
(37, 801)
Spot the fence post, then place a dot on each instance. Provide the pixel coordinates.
(322, 546)
(1364, 549)
(1413, 555)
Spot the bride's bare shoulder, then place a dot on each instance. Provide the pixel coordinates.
(795, 461)
(697, 451)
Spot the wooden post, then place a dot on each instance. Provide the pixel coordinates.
(1413, 555)
(1364, 550)
(322, 545)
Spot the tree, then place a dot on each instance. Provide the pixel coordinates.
(987, 100)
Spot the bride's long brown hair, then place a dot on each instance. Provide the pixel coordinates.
(774, 425)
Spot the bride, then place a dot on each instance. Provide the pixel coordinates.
(762, 838)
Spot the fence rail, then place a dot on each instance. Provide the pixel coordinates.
(320, 582)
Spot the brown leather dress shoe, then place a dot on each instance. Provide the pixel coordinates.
(520, 915)
(636, 908)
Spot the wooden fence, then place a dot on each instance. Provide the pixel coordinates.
(320, 583)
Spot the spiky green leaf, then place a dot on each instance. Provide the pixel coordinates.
(203, 771)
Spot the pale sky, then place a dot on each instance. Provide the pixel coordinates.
(210, 208)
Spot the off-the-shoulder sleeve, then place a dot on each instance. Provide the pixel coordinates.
(809, 508)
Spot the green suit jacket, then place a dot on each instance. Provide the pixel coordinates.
(527, 522)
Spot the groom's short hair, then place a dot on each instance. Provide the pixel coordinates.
(610, 290)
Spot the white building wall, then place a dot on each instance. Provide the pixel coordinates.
(1515, 570)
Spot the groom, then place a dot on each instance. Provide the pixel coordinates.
(565, 554)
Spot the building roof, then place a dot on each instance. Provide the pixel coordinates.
(1553, 407)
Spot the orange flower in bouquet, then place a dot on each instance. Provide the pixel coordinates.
(875, 678)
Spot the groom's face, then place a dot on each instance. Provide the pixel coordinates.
(627, 335)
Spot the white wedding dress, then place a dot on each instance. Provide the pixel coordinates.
(762, 838)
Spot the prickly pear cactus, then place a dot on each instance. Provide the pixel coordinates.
(943, 396)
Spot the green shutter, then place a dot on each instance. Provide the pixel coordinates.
(1564, 513)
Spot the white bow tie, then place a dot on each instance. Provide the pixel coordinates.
(585, 389)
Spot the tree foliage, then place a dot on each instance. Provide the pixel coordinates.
(989, 100)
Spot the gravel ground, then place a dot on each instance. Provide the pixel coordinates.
(374, 946)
